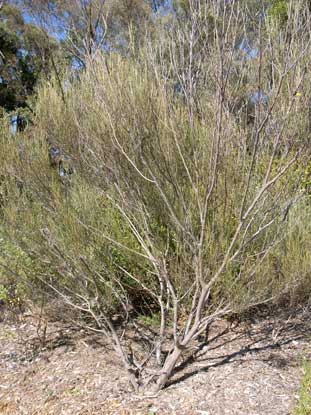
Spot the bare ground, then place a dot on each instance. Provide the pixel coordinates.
(246, 368)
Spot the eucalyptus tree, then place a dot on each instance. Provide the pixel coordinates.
(26, 55)
(86, 26)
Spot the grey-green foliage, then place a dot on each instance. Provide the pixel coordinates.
(78, 241)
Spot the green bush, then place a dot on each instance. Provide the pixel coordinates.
(304, 403)
(71, 235)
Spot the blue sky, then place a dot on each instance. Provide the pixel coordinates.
(59, 34)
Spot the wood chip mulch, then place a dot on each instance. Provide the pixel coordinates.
(250, 368)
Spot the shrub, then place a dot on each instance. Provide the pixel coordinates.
(174, 203)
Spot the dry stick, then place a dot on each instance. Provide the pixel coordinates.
(143, 286)
(175, 301)
(171, 360)
(218, 131)
(95, 274)
(119, 349)
(163, 322)
(108, 238)
(119, 146)
(116, 341)
(160, 278)
(210, 188)
(137, 234)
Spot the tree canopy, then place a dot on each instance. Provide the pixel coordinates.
(26, 54)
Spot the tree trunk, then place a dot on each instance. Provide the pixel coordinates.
(168, 368)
